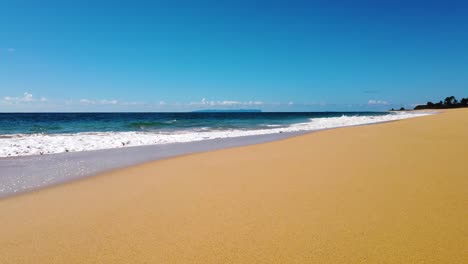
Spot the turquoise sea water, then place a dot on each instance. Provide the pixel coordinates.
(56, 123)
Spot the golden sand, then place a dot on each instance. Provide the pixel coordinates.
(388, 193)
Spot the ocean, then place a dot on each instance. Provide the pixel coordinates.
(45, 133)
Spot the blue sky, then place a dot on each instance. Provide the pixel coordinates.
(272, 55)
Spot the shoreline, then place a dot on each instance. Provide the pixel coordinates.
(12, 145)
(37, 172)
(23, 174)
(392, 192)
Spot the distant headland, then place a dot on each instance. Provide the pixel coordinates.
(228, 111)
(449, 102)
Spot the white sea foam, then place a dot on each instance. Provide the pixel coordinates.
(21, 144)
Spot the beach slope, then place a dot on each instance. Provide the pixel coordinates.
(387, 193)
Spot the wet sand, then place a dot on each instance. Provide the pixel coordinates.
(28, 173)
(386, 193)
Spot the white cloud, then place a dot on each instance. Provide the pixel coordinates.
(377, 102)
(130, 103)
(27, 97)
(205, 102)
(107, 102)
(87, 101)
(229, 103)
(100, 102)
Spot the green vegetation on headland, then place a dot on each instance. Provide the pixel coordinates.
(449, 102)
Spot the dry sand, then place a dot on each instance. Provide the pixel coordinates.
(387, 193)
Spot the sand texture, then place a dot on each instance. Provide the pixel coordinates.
(387, 193)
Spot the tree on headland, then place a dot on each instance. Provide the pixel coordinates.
(464, 102)
(449, 102)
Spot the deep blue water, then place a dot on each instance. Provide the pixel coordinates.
(54, 123)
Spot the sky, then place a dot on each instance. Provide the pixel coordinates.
(60, 56)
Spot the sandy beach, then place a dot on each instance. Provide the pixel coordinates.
(394, 192)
